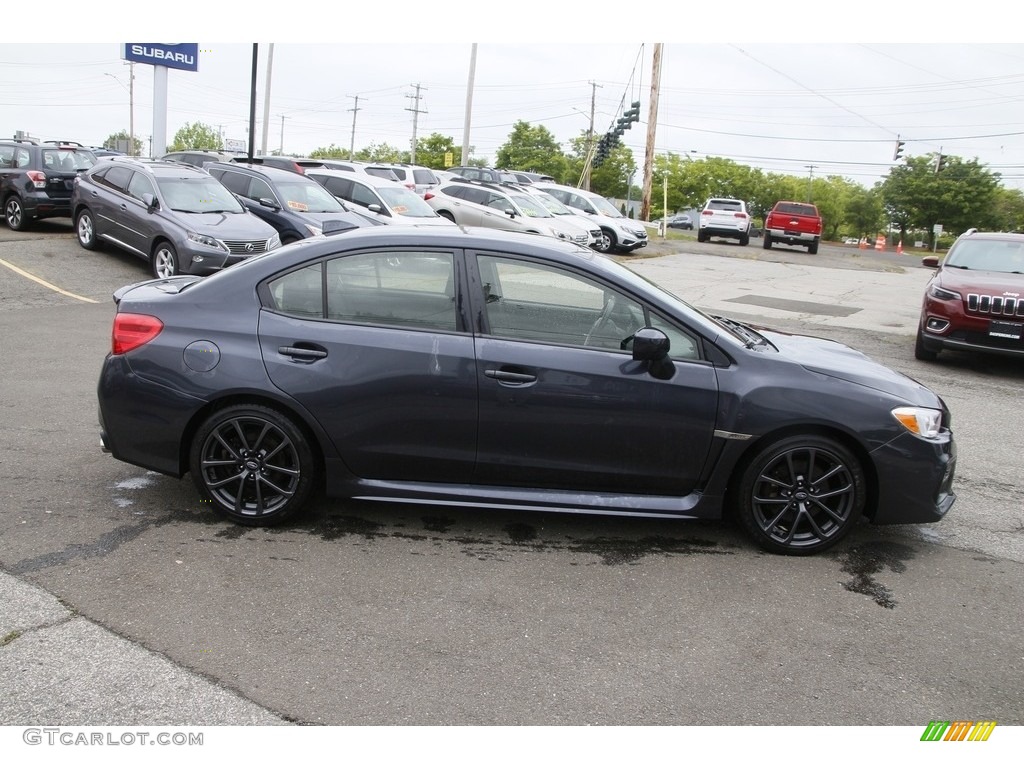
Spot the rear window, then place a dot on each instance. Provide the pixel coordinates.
(725, 205)
(797, 209)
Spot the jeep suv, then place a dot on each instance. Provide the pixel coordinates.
(36, 179)
(724, 217)
(177, 217)
(975, 300)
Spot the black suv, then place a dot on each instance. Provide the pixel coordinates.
(36, 179)
(295, 205)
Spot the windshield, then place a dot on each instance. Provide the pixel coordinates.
(604, 207)
(198, 194)
(306, 196)
(531, 206)
(405, 202)
(988, 256)
(552, 204)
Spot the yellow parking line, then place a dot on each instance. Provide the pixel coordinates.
(45, 284)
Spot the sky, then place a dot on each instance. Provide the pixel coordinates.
(809, 99)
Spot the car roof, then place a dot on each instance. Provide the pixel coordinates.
(268, 171)
(363, 178)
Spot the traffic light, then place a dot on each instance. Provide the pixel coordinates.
(633, 113)
(899, 149)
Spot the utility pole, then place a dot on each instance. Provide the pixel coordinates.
(810, 180)
(352, 143)
(652, 124)
(415, 120)
(469, 107)
(587, 166)
(266, 101)
(281, 150)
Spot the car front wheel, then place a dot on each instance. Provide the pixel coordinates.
(86, 230)
(15, 214)
(253, 464)
(606, 242)
(800, 495)
(923, 352)
(165, 261)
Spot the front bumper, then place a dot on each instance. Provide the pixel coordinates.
(915, 479)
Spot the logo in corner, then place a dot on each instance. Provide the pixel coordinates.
(958, 730)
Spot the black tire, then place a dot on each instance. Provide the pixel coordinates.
(767, 244)
(164, 261)
(85, 229)
(607, 242)
(701, 236)
(921, 349)
(800, 495)
(253, 465)
(813, 247)
(15, 213)
(744, 239)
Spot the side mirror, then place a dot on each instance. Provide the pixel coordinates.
(266, 202)
(510, 213)
(651, 346)
(375, 207)
(150, 201)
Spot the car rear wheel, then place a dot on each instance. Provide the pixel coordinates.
(767, 243)
(165, 261)
(744, 239)
(800, 495)
(813, 248)
(15, 214)
(701, 236)
(86, 230)
(253, 464)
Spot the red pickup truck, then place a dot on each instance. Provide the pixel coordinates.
(793, 224)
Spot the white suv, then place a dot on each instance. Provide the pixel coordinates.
(618, 233)
(724, 217)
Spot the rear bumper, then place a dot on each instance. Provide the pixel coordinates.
(784, 236)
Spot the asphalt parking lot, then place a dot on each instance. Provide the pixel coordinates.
(376, 615)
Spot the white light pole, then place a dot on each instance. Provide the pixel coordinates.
(131, 103)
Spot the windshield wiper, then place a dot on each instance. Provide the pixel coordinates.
(751, 337)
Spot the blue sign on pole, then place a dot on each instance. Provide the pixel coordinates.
(174, 55)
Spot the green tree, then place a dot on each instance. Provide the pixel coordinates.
(962, 195)
(333, 152)
(135, 148)
(430, 151)
(532, 148)
(1009, 205)
(196, 136)
(864, 213)
(381, 153)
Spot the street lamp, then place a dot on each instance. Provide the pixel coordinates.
(131, 103)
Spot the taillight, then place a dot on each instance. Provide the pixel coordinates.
(427, 195)
(131, 331)
(707, 213)
(38, 179)
(740, 215)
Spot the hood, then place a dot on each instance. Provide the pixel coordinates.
(342, 219)
(986, 283)
(226, 226)
(830, 358)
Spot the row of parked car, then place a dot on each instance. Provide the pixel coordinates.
(198, 212)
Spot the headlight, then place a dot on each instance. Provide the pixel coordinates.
(943, 295)
(274, 242)
(923, 422)
(209, 242)
(314, 230)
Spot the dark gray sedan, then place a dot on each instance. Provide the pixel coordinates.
(502, 371)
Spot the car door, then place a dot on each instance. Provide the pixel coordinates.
(563, 405)
(376, 347)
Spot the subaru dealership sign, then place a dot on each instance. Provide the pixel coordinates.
(174, 55)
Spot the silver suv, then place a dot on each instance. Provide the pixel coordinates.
(724, 217)
(176, 216)
(618, 233)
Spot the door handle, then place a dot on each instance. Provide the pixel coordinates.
(510, 377)
(307, 354)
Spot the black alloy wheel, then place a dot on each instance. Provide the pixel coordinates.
(801, 495)
(253, 464)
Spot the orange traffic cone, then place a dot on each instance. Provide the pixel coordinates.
(899, 247)
(863, 243)
(880, 243)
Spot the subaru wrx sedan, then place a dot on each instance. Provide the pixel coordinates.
(510, 372)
